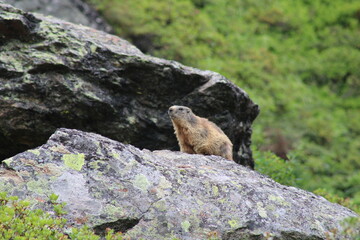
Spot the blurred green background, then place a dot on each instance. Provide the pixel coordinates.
(299, 60)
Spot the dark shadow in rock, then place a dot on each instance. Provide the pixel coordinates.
(121, 225)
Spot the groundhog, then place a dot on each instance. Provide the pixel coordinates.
(199, 135)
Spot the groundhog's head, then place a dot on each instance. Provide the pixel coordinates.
(181, 115)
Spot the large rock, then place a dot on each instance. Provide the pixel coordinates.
(163, 194)
(75, 11)
(56, 74)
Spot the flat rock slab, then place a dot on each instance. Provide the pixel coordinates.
(56, 74)
(164, 194)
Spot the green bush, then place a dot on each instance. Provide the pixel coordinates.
(278, 169)
(19, 222)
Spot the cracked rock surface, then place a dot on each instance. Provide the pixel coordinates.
(56, 74)
(164, 194)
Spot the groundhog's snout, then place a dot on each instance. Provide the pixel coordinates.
(171, 111)
(177, 111)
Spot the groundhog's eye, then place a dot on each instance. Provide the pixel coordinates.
(187, 111)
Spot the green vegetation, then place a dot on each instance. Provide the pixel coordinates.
(279, 170)
(299, 60)
(18, 221)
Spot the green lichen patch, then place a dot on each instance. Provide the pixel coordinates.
(199, 202)
(261, 210)
(94, 165)
(114, 211)
(270, 207)
(160, 205)
(233, 223)
(131, 119)
(93, 48)
(34, 151)
(40, 187)
(215, 190)
(185, 225)
(130, 165)
(91, 95)
(98, 147)
(11, 62)
(44, 57)
(141, 182)
(154, 120)
(164, 183)
(163, 186)
(74, 161)
(278, 199)
(115, 155)
(8, 161)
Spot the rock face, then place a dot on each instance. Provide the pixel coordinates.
(75, 11)
(56, 74)
(163, 194)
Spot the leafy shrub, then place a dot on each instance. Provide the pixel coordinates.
(18, 221)
(278, 169)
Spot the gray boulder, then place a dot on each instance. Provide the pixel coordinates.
(164, 194)
(75, 11)
(56, 74)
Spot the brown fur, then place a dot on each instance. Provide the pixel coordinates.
(199, 135)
